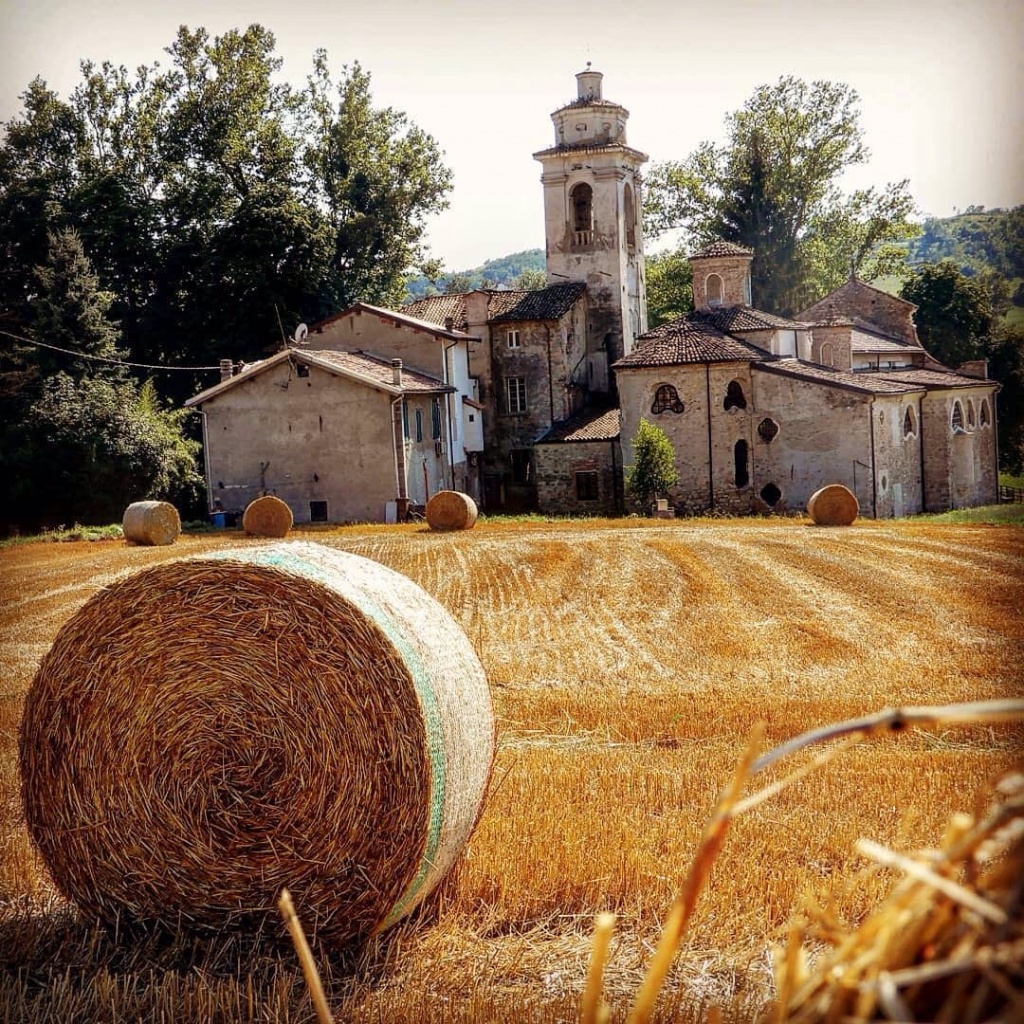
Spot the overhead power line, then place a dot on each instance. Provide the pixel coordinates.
(105, 359)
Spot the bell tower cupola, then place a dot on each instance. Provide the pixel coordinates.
(593, 232)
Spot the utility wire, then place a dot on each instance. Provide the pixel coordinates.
(105, 359)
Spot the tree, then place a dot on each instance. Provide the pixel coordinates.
(954, 314)
(654, 465)
(669, 286)
(1005, 351)
(530, 279)
(774, 188)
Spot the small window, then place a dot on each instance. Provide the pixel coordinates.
(734, 397)
(747, 298)
(828, 355)
(971, 421)
(515, 392)
(405, 419)
(586, 485)
(714, 289)
(741, 453)
(666, 399)
(302, 370)
(419, 424)
(985, 417)
(512, 339)
(582, 199)
(909, 423)
(318, 511)
(770, 494)
(956, 420)
(435, 419)
(522, 467)
(630, 216)
(768, 430)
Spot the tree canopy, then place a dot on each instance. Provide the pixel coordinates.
(775, 187)
(216, 202)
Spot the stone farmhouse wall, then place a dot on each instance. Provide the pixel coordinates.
(319, 438)
(959, 464)
(557, 466)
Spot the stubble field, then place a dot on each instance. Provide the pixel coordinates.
(627, 662)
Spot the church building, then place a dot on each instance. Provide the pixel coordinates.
(531, 399)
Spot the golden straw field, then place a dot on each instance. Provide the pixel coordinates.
(628, 661)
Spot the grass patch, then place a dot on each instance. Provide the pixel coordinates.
(65, 534)
(1006, 480)
(996, 515)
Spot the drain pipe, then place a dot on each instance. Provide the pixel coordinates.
(874, 477)
(448, 410)
(398, 443)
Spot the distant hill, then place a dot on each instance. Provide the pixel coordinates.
(495, 273)
(976, 240)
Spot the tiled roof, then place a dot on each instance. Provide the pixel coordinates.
(934, 379)
(688, 340)
(720, 248)
(436, 309)
(402, 317)
(374, 370)
(594, 424)
(869, 341)
(745, 318)
(867, 383)
(542, 304)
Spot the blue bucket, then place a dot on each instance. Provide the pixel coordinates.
(219, 518)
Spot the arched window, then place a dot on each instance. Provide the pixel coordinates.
(909, 423)
(734, 397)
(828, 355)
(741, 453)
(630, 216)
(985, 417)
(970, 414)
(768, 430)
(581, 198)
(956, 420)
(666, 399)
(713, 288)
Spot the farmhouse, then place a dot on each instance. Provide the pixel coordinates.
(531, 399)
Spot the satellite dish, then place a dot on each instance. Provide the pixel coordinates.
(301, 332)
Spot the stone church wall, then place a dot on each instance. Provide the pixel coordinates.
(897, 455)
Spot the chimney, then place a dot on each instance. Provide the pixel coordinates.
(226, 369)
(449, 323)
(396, 372)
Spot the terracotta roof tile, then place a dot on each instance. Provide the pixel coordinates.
(436, 309)
(374, 370)
(934, 379)
(594, 424)
(869, 341)
(745, 318)
(868, 383)
(720, 248)
(688, 339)
(542, 304)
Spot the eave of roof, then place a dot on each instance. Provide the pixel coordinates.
(935, 380)
(590, 147)
(737, 319)
(689, 339)
(403, 319)
(720, 248)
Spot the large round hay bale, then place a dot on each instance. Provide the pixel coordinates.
(451, 510)
(267, 517)
(834, 505)
(151, 522)
(210, 730)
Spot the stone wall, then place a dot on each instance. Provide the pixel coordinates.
(897, 455)
(734, 272)
(838, 338)
(960, 466)
(855, 299)
(557, 465)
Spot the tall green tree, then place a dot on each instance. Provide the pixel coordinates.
(669, 286)
(774, 187)
(653, 470)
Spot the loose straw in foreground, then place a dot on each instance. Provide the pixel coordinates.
(854, 730)
(316, 989)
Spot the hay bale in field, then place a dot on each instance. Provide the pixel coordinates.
(834, 505)
(451, 510)
(151, 522)
(210, 730)
(267, 517)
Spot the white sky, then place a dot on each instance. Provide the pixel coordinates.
(940, 80)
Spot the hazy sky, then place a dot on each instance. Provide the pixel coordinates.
(940, 80)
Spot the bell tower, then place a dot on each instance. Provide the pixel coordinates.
(592, 221)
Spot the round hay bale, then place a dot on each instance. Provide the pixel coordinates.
(151, 522)
(834, 505)
(267, 517)
(451, 510)
(210, 730)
